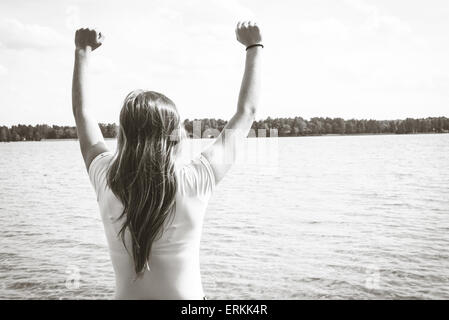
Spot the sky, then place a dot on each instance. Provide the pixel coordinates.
(384, 59)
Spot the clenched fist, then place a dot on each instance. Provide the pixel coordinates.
(88, 38)
(248, 33)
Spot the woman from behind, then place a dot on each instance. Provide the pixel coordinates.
(152, 204)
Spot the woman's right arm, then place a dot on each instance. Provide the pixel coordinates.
(222, 153)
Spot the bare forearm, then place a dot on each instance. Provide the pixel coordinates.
(89, 134)
(222, 153)
(251, 83)
(79, 83)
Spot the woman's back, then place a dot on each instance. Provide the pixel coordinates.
(173, 270)
(140, 190)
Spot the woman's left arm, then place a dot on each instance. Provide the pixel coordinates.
(89, 133)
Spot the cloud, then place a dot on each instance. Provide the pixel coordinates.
(364, 55)
(3, 70)
(17, 35)
(72, 21)
(372, 23)
(363, 7)
(387, 24)
(101, 64)
(236, 9)
(378, 22)
(328, 27)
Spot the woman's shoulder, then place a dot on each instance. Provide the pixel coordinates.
(98, 171)
(196, 177)
(101, 159)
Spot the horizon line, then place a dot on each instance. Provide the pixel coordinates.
(220, 119)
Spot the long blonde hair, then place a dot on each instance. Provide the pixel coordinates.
(142, 173)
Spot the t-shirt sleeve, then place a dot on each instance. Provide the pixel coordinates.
(197, 178)
(98, 172)
(206, 174)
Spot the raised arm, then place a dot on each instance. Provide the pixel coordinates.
(222, 153)
(89, 134)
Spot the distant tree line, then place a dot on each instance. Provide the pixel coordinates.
(43, 131)
(317, 126)
(286, 127)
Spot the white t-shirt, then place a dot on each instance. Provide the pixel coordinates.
(174, 267)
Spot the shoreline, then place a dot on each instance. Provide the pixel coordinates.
(300, 136)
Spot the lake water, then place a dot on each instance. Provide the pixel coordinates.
(330, 217)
